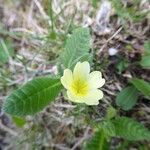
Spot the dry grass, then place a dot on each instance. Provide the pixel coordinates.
(38, 37)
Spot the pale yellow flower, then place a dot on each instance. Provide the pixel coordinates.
(82, 86)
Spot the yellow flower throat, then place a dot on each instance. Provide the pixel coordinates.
(79, 87)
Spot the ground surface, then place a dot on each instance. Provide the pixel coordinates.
(35, 33)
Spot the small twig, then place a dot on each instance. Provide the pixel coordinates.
(85, 136)
(109, 92)
(20, 29)
(6, 129)
(60, 147)
(110, 39)
(64, 105)
(41, 10)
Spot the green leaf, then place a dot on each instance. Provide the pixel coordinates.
(127, 98)
(6, 51)
(130, 129)
(95, 3)
(147, 47)
(32, 97)
(98, 142)
(76, 48)
(122, 65)
(111, 112)
(20, 122)
(108, 128)
(145, 62)
(128, 13)
(142, 86)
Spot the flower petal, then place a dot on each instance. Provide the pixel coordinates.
(67, 78)
(96, 80)
(74, 98)
(81, 70)
(93, 97)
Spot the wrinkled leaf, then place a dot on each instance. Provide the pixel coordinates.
(108, 128)
(98, 142)
(32, 97)
(76, 48)
(130, 129)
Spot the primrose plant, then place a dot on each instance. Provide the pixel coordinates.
(82, 87)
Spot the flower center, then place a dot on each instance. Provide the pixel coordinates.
(79, 87)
